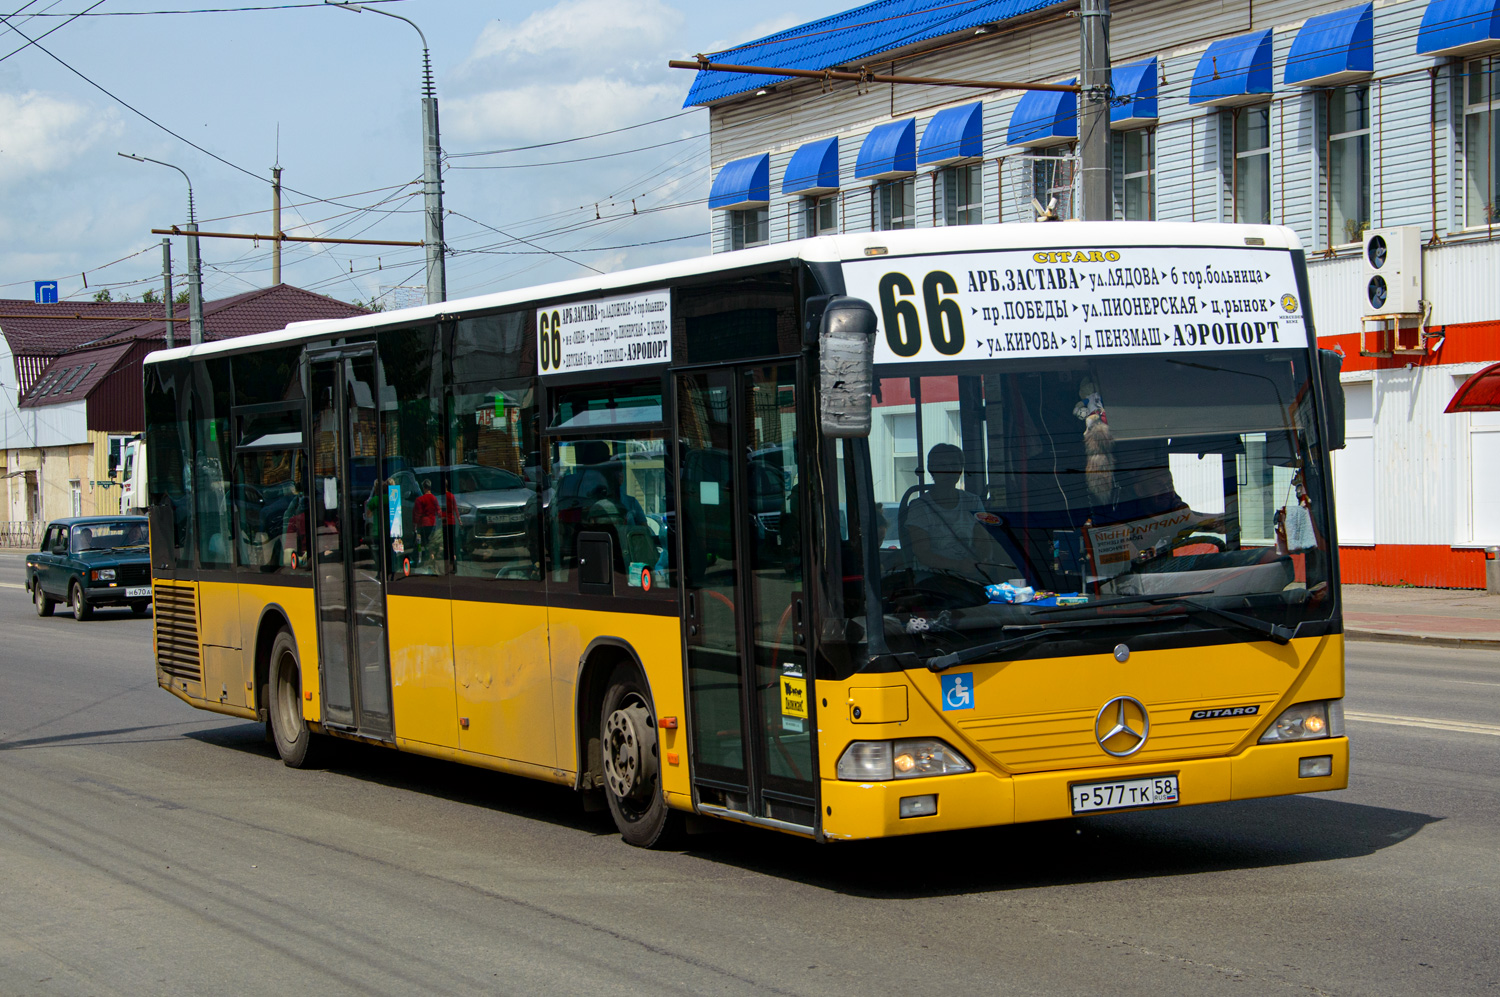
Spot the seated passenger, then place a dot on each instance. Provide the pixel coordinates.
(947, 535)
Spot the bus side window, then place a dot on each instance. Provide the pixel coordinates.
(494, 479)
(620, 488)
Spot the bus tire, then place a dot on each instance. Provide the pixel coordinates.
(44, 605)
(632, 768)
(288, 727)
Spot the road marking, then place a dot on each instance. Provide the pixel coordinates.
(10, 585)
(1458, 726)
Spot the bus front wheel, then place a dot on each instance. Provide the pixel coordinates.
(288, 727)
(632, 766)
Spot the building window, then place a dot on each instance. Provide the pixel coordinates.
(820, 215)
(75, 490)
(1348, 164)
(1137, 153)
(1252, 165)
(895, 204)
(1481, 143)
(751, 227)
(962, 191)
(1053, 172)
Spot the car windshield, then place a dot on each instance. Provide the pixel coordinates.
(1064, 492)
(107, 536)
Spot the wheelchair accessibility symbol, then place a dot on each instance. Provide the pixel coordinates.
(958, 691)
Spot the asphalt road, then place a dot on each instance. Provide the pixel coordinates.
(148, 848)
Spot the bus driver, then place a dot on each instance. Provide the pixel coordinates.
(947, 536)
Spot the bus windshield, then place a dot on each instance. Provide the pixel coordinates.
(1157, 492)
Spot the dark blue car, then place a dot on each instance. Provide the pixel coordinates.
(92, 561)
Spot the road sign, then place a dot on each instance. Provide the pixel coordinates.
(46, 292)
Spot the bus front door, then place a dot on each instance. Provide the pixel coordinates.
(749, 678)
(349, 545)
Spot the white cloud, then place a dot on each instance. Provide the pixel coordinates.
(41, 134)
(550, 110)
(584, 27)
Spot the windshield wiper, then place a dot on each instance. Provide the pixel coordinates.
(1278, 632)
(968, 655)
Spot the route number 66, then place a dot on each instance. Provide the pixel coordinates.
(549, 340)
(903, 323)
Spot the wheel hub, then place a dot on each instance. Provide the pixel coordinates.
(626, 762)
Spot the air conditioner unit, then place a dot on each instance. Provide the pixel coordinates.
(1393, 271)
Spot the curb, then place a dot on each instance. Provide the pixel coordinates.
(1430, 640)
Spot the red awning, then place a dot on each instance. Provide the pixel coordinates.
(1480, 393)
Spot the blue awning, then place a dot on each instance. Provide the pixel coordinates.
(890, 150)
(1135, 94)
(1333, 48)
(952, 134)
(814, 168)
(1234, 71)
(1459, 27)
(1044, 117)
(742, 183)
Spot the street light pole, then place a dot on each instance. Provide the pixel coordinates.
(195, 263)
(432, 154)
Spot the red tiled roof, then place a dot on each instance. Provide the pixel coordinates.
(43, 333)
(245, 314)
(47, 330)
(71, 377)
(75, 343)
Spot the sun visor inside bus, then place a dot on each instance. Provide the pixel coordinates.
(275, 427)
(1181, 400)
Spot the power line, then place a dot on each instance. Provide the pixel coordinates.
(30, 43)
(582, 159)
(576, 138)
(205, 10)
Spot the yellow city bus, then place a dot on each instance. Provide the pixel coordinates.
(856, 536)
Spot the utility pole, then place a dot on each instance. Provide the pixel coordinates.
(276, 225)
(432, 155)
(166, 290)
(432, 185)
(1094, 140)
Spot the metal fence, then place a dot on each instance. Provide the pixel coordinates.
(25, 534)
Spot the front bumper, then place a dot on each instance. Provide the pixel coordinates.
(112, 595)
(855, 810)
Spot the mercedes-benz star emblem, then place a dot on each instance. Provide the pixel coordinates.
(1121, 726)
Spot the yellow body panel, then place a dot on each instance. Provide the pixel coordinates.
(1031, 732)
(420, 636)
(505, 683)
(657, 640)
(219, 614)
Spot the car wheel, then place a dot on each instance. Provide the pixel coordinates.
(288, 727)
(43, 604)
(81, 608)
(632, 767)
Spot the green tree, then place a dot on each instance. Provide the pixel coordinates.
(103, 296)
(181, 298)
(149, 298)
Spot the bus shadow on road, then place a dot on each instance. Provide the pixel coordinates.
(1215, 837)
(463, 784)
(1210, 838)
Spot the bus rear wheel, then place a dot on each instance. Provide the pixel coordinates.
(288, 727)
(632, 766)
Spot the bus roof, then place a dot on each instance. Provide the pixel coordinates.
(823, 249)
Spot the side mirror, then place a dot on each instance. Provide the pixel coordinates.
(1333, 392)
(846, 365)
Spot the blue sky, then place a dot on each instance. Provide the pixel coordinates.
(343, 89)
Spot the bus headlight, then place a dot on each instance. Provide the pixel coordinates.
(1307, 722)
(910, 758)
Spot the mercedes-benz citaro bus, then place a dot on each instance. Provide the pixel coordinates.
(856, 536)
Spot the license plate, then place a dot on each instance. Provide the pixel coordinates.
(138, 592)
(1122, 794)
